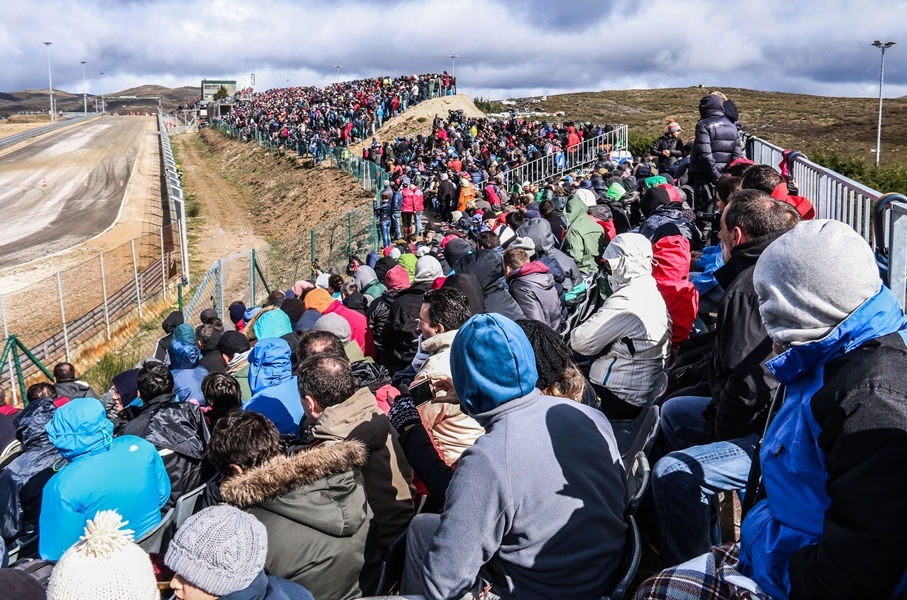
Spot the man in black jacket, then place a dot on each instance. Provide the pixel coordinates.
(668, 149)
(710, 440)
(177, 429)
(716, 144)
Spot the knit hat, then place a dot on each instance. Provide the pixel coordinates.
(104, 563)
(672, 127)
(523, 243)
(397, 279)
(322, 281)
(220, 550)
(236, 312)
(428, 269)
(319, 299)
(250, 313)
(232, 343)
(207, 315)
(300, 286)
(335, 324)
(18, 584)
(491, 362)
(803, 293)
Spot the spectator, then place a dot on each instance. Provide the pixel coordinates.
(169, 325)
(828, 512)
(177, 429)
(532, 286)
(539, 231)
(125, 474)
(207, 338)
(630, 334)
(511, 515)
(237, 311)
(368, 282)
(585, 240)
(6, 409)
(709, 440)
(66, 384)
(359, 331)
(274, 387)
(378, 312)
(336, 411)
(766, 179)
(399, 337)
(185, 364)
(716, 145)
(668, 149)
(22, 481)
(488, 267)
(338, 326)
(662, 206)
(222, 394)
(671, 270)
(352, 298)
(312, 503)
(234, 348)
(558, 374)
(103, 563)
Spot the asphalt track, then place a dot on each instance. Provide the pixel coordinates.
(65, 188)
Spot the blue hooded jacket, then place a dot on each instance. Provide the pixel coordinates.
(125, 474)
(274, 389)
(187, 371)
(272, 324)
(793, 464)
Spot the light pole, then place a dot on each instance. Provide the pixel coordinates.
(50, 84)
(338, 72)
(84, 90)
(102, 96)
(453, 64)
(883, 48)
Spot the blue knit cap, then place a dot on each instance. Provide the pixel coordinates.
(492, 362)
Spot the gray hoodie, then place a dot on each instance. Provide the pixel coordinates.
(527, 501)
(539, 231)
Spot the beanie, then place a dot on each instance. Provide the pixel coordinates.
(491, 362)
(397, 278)
(232, 343)
(672, 127)
(220, 550)
(335, 324)
(319, 299)
(104, 563)
(394, 253)
(237, 311)
(428, 269)
(803, 293)
(322, 281)
(300, 286)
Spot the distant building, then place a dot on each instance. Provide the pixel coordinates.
(210, 87)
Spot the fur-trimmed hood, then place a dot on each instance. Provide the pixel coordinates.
(321, 488)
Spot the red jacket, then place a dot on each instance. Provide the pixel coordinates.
(671, 270)
(359, 331)
(803, 205)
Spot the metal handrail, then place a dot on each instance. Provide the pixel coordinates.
(25, 135)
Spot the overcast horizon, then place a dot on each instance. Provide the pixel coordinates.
(505, 50)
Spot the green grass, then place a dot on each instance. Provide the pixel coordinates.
(111, 364)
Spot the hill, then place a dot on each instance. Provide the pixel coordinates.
(37, 100)
(822, 124)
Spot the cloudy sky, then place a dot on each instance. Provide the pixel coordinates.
(506, 48)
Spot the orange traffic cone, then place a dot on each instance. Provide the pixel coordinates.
(44, 183)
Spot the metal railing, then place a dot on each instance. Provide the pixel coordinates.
(562, 162)
(881, 219)
(173, 194)
(25, 135)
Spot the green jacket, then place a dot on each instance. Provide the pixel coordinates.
(585, 241)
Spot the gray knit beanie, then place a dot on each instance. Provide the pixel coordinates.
(427, 269)
(811, 278)
(220, 550)
(334, 323)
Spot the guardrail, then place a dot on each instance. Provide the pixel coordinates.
(173, 190)
(880, 218)
(25, 135)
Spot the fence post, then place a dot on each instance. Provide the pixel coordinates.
(9, 362)
(104, 290)
(219, 289)
(135, 274)
(163, 266)
(63, 316)
(312, 232)
(252, 276)
(349, 233)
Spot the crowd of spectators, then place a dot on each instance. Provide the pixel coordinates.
(439, 420)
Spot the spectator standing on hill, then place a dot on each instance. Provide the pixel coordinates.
(668, 149)
(715, 145)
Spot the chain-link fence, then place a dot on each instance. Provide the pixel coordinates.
(237, 277)
(76, 314)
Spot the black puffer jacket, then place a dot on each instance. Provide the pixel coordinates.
(488, 267)
(400, 338)
(377, 315)
(22, 481)
(716, 143)
(177, 429)
(741, 384)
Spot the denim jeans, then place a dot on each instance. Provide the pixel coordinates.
(398, 226)
(385, 233)
(418, 217)
(685, 483)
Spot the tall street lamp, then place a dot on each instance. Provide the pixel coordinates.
(102, 96)
(453, 64)
(84, 90)
(338, 72)
(50, 85)
(883, 48)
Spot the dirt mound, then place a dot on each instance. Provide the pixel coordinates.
(418, 119)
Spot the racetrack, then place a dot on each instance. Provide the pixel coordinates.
(65, 188)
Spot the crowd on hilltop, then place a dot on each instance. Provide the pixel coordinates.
(312, 119)
(464, 412)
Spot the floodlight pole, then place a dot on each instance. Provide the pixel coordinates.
(84, 90)
(50, 84)
(883, 48)
(338, 72)
(453, 64)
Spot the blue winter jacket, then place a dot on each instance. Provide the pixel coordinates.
(187, 371)
(266, 587)
(795, 477)
(125, 474)
(274, 389)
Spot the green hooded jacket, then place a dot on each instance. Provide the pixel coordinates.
(585, 240)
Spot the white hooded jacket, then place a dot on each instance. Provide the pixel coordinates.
(631, 333)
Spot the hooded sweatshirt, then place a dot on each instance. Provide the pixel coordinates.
(313, 506)
(533, 288)
(671, 270)
(368, 283)
(585, 240)
(274, 387)
(185, 365)
(22, 481)
(525, 501)
(488, 267)
(163, 345)
(630, 335)
(539, 231)
(125, 474)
